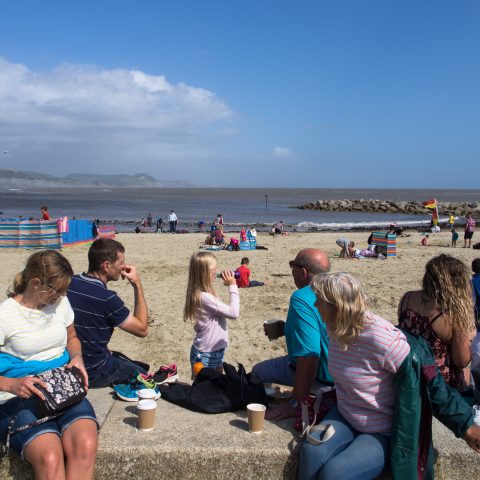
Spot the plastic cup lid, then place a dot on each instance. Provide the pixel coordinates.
(146, 404)
(146, 393)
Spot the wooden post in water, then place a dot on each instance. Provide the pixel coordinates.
(266, 201)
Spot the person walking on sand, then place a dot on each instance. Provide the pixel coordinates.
(99, 310)
(172, 221)
(208, 313)
(469, 230)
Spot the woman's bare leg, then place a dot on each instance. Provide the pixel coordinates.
(80, 447)
(45, 453)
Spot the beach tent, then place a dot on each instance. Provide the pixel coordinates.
(54, 234)
(29, 234)
(106, 231)
(76, 232)
(249, 244)
(386, 240)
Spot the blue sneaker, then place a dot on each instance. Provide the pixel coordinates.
(139, 381)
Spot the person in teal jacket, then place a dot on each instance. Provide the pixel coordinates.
(422, 392)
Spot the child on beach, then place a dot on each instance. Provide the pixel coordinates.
(454, 237)
(243, 235)
(243, 281)
(424, 241)
(207, 311)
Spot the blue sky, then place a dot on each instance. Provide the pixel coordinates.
(246, 93)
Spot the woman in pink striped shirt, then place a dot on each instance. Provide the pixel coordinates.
(364, 354)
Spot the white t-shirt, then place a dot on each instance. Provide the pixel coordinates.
(31, 334)
(172, 217)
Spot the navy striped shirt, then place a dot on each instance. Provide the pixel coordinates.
(97, 312)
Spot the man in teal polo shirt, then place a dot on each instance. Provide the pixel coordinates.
(306, 365)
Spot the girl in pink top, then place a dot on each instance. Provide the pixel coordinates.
(364, 354)
(207, 311)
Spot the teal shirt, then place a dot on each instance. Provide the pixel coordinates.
(305, 332)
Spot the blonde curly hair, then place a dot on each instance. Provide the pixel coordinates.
(346, 297)
(447, 283)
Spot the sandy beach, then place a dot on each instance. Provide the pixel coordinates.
(162, 261)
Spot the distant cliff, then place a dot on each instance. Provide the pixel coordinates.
(21, 179)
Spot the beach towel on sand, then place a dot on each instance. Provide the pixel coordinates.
(214, 392)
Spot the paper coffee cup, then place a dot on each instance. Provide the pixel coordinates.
(146, 410)
(146, 393)
(272, 327)
(256, 417)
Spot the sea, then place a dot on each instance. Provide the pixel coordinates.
(255, 207)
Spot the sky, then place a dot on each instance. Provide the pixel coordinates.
(251, 93)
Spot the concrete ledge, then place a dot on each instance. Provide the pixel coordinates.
(187, 445)
(455, 460)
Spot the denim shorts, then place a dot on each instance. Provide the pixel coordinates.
(209, 359)
(26, 411)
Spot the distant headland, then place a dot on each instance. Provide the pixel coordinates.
(10, 178)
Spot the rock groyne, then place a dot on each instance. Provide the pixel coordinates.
(389, 206)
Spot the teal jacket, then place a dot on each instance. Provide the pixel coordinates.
(422, 392)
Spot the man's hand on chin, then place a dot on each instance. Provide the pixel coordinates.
(279, 412)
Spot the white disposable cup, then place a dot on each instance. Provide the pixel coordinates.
(256, 417)
(146, 394)
(146, 414)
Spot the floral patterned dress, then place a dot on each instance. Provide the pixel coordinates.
(442, 349)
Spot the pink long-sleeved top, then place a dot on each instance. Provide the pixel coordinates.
(211, 333)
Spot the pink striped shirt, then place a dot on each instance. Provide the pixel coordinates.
(364, 372)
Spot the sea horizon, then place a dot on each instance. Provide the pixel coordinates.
(260, 207)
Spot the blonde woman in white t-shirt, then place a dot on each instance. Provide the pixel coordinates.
(37, 334)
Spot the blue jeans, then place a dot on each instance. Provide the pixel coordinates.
(276, 370)
(348, 455)
(27, 411)
(209, 359)
(122, 371)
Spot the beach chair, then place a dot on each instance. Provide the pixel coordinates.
(387, 242)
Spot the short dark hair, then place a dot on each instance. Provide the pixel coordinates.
(476, 265)
(102, 250)
(245, 261)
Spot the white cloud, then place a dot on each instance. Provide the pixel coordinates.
(281, 152)
(92, 115)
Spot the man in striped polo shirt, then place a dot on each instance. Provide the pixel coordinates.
(99, 310)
